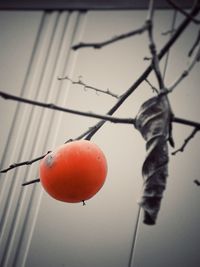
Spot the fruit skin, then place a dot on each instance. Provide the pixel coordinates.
(74, 172)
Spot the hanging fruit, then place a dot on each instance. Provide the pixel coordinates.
(74, 172)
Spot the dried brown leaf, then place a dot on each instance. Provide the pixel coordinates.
(154, 123)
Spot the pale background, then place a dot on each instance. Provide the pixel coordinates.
(35, 229)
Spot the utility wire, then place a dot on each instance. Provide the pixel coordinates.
(135, 234)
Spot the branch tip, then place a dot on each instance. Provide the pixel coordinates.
(31, 182)
(197, 182)
(111, 40)
(86, 86)
(186, 141)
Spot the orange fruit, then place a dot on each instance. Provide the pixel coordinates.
(74, 172)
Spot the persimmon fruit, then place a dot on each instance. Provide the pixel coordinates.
(74, 172)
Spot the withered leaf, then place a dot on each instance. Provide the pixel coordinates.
(154, 123)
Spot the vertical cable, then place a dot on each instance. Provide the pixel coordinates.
(135, 234)
(9, 212)
(76, 25)
(16, 114)
(24, 198)
(14, 122)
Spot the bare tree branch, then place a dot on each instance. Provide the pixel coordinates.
(186, 122)
(154, 89)
(28, 162)
(186, 141)
(194, 45)
(7, 96)
(31, 182)
(87, 114)
(167, 55)
(168, 32)
(182, 11)
(197, 182)
(110, 41)
(147, 58)
(186, 72)
(152, 47)
(86, 86)
(81, 136)
(131, 121)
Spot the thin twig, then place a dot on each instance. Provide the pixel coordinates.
(7, 96)
(197, 182)
(186, 122)
(152, 47)
(154, 89)
(186, 141)
(170, 138)
(182, 11)
(28, 162)
(168, 32)
(86, 86)
(194, 45)
(186, 72)
(31, 182)
(112, 40)
(167, 55)
(90, 129)
(147, 58)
